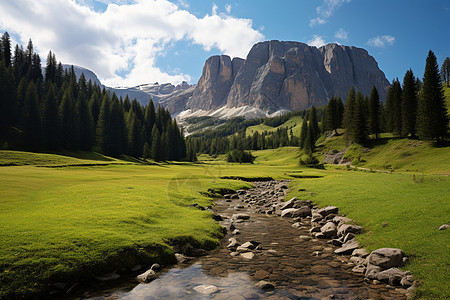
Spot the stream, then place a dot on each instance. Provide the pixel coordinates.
(297, 268)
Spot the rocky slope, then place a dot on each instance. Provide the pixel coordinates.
(278, 75)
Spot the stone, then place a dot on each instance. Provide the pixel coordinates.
(372, 271)
(206, 289)
(265, 285)
(240, 217)
(407, 281)
(360, 252)
(338, 220)
(236, 232)
(386, 257)
(261, 274)
(348, 237)
(393, 276)
(315, 217)
(217, 218)
(347, 247)
(147, 276)
(288, 204)
(305, 237)
(359, 269)
(348, 228)
(328, 210)
(443, 227)
(181, 258)
(329, 229)
(357, 260)
(247, 255)
(233, 244)
(156, 267)
(234, 253)
(289, 213)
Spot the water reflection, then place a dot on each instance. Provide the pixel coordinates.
(179, 283)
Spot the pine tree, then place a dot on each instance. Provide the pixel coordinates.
(409, 104)
(134, 137)
(359, 120)
(309, 144)
(432, 118)
(5, 50)
(117, 129)
(32, 120)
(86, 124)
(374, 112)
(146, 152)
(8, 103)
(156, 144)
(69, 121)
(393, 108)
(302, 134)
(50, 119)
(102, 132)
(349, 109)
(315, 131)
(445, 71)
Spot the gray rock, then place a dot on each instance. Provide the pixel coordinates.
(347, 247)
(360, 252)
(359, 269)
(329, 229)
(341, 220)
(147, 276)
(372, 271)
(443, 227)
(206, 289)
(288, 204)
(247, 255)
(348, 228)
(328, 210)
(233, 244)
(156, 267)
(407, 281)
(181, 258)
(348, 237)
(289, 213)
(386, 257)
(393, 276)
(265, 285)
(240, 217)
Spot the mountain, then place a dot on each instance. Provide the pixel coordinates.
(279, 76)
(142, 93)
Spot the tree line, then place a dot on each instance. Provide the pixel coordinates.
(54, 111)
(413, 108)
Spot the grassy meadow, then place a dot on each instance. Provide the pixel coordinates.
(65, 218)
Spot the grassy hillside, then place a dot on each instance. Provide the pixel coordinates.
(294, 122)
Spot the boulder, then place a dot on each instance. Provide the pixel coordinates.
(348, 228)
(247, 255)
(206, 289)
(341, 220)
(181, 258)
(372, 271)
(265, 285)
(393, 276)
(147, 276)
(360, 252)
(407, 281)
(155, 267)
(288, 204)
(347, 247)
(240, 217)
(386, 257)
(233, 244)
(329, 229)
(328, 210)
(289, 212)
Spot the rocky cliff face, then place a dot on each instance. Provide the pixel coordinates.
(279, 75)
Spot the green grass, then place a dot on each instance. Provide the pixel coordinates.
(66, 224)
(396, 212)
(294, 123)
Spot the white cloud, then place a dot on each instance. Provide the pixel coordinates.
(126, 38)
(316, 41)
(228, 7)
(326, 10)
(341, 34)
(214, 9)
(381, 41)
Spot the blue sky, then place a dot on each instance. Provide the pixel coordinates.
(132, 42)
